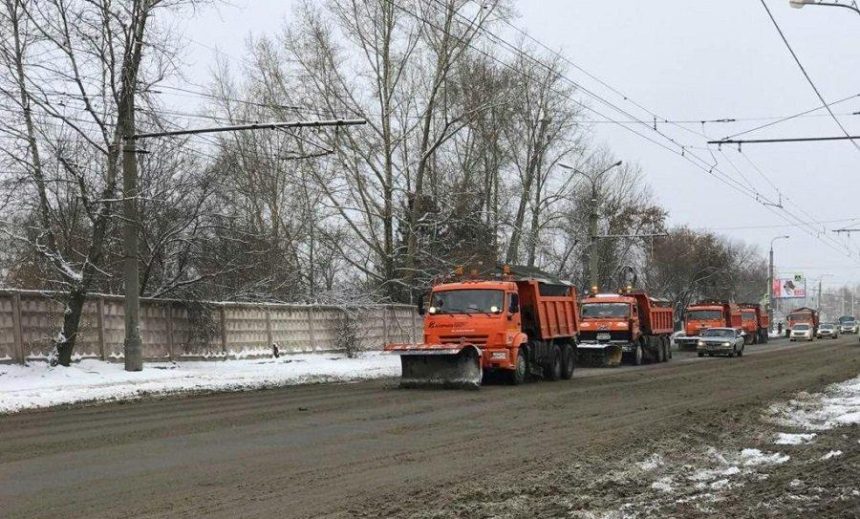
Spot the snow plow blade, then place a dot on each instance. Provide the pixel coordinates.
(438, 365)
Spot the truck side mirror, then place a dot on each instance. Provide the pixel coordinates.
(421, 310)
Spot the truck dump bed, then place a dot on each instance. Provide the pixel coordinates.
(657, 317)
(549, 310)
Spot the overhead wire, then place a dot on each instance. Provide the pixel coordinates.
(806, 75)
(701, 164)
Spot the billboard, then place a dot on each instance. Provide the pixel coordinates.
(789, 288)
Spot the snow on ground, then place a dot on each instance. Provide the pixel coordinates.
(793, 439)
(838, 405)
(831, 454)
(39, 385)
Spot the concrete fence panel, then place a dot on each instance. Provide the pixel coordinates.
(172, 329)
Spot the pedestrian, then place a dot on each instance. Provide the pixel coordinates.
(779, 328)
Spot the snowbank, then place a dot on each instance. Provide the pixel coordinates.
(39, 385)
(838, 405)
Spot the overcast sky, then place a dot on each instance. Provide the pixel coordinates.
(687, 60)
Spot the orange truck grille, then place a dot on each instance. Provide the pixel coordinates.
(477, 340)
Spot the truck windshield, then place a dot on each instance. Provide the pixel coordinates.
(748, 316)
(600, 310)
(467, 301)
(704, 315)
(797, 317)
(714, 332)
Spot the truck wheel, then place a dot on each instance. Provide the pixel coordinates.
(568, 362)
(638, 354)
(701, 354)
(669, 347)
(521, 370)
(552, 371)
(661, 350)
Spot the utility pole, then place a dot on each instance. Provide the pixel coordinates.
(770, 298)
(593, 216)
(593, 274)
(819, 296)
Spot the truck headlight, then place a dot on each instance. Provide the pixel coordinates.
(701, 343)
(727, 344)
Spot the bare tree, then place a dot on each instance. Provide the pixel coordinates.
(75, 68)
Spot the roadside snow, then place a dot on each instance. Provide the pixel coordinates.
(663, 485)
(831, 454)
(793, 439)
(755, 457)
(39, 385)
(838, 405)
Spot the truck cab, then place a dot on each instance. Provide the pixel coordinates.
(485, 314)
(750, 325)
(708, 314)
(627, 324)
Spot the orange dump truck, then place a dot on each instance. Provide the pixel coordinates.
(708, 314)
(802, 315)
(517, 325)
(755, 322)
(631, 324)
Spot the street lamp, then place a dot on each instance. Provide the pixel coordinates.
(799, 4)
(770, 301)
(592, 219)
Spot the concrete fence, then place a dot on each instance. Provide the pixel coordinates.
(176, 330)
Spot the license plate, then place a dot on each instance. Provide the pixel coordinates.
(603, 336)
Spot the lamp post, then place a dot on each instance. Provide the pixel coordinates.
(770, 301)
(799, 4)
(592, 219)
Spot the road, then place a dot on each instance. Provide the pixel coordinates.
(370, 449)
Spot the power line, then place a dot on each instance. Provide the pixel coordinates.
(701, 164)
(787, 139)
(806, 75)
(805, 113)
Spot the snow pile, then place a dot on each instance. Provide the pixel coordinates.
(838, 405)
(755, 457)
(831, 454)
(39, 385)
(793, 439)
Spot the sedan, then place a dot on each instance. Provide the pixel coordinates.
(802, 332)
(828, 330)
(723, 341)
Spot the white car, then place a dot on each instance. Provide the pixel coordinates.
(848, 327)
(828, 330)
(801, 332)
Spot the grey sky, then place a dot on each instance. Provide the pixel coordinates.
(686, 60)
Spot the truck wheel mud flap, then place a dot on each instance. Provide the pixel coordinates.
(451, 371)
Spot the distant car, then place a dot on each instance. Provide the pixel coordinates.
(801, 332)
(828, 330)
(721, 341)
(848, 327)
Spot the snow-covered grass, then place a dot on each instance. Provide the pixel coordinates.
(39, 385)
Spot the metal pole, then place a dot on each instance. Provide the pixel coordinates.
(819, 296)
(592, 234)
(770, 298)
